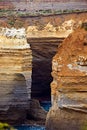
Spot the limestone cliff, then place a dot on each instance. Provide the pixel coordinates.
(44, 45)
(69, 86)
(49, 30)
(15, 73)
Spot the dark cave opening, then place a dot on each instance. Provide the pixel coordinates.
(43, 50)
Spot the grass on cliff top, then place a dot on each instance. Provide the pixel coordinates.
(25, 13)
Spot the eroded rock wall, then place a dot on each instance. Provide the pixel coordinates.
(69, 86)
(43, 50)
(44, 45)
(15, 74)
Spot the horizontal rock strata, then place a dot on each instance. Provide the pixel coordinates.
(50, 31)
(15, 74)
(69, 86)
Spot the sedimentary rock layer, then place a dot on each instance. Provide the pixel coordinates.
(51, 32)
(15, 73)
(69, 86)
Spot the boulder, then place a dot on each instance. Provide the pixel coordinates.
(36, 112)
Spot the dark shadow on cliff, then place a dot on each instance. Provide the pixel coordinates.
(43, 51)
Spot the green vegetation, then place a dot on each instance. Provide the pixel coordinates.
(84, 127)
(37, 12)
(5, 126)
(14, 21)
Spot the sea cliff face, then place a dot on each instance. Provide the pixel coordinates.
(69, 86)
(15, 74)
(44, 44)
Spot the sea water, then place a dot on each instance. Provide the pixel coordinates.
(46, 105)
(29, 127)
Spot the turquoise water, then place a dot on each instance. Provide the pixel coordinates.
(46, 105)
(24, 127)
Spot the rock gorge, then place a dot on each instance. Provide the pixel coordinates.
(15, 75)
(43, 49)
(16, 66)
(69, 86)
(44, 46)
(15, 51)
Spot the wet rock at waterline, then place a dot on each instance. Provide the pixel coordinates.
(69, 86)
(15, 75)
(36, 112)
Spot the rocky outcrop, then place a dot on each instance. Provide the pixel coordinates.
(36, 112)
(15, 74)
(49, 30)
(69, 86)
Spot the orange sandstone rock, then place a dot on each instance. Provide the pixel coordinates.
(69, 86)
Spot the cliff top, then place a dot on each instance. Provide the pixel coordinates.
(13, 38)
(50, 30)
(72, 54)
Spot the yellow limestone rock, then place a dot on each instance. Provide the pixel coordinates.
(49, 30)
(15, 70)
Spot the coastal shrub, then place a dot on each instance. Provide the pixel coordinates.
(11, 20)
(5, 126)
(84, 127)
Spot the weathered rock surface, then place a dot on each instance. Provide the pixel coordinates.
(15, 74)
(44, 45)
(36, 112)
(69, 86)
(50, 31)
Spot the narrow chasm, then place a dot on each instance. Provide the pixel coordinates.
(43, 50)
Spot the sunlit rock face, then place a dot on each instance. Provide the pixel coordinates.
(15, 73)
(69, 86)
(49, 30)
(44, 45)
